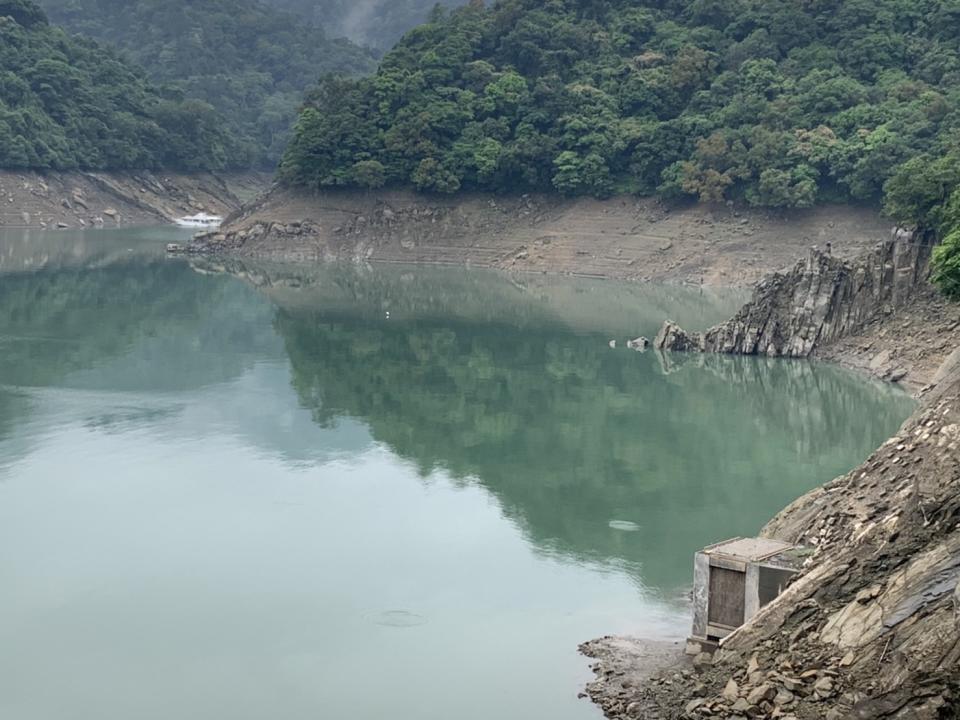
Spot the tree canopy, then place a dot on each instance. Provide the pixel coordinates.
(925, 191)
(251, 63)
(68, 103)
(774, 103)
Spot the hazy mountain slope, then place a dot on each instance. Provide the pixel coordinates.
(251, 62)
(67, 103)
(375, 23)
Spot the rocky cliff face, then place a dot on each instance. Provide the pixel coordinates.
(821, 300)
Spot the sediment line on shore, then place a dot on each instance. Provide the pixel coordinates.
(625, 238)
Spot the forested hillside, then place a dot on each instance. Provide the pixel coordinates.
(252, 63)
(773, 102)
(67, 103)
(373, 23)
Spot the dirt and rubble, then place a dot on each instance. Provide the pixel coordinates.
(909, 345)
(870, 629)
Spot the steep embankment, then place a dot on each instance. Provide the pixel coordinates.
(86, 199)
(869, 629)
(624, 237)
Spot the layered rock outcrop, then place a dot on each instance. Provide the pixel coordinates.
(821, 300)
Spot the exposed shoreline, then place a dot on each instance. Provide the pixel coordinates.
(789, 661)
(625, 238)
(868, 630)
(914, 344)
(919, 339)
(876, 313)
(77, 200)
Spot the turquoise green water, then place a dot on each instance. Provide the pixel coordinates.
(247, 491)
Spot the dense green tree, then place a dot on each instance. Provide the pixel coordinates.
(779, 103)
(369, 173)
(24, 12)
(920, 189)
(946, 265)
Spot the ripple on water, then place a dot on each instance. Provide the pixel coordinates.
(624, 525)
(397, 618)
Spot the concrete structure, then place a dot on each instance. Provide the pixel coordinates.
(732, 580)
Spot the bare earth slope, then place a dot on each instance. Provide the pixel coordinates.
(82, 199)
(624, 237)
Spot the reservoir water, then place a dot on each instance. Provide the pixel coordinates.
(245, 491)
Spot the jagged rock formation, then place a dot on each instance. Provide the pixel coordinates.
(674, 337)
(821, 300)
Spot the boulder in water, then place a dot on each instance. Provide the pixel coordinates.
(674, 337)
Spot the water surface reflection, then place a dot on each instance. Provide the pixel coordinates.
(241, 490)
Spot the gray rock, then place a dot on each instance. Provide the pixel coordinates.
(703, 659)
(823, 688)
(694, 704)
(732, 691)
(880, 360)
(822, 299)
(741, 706)
(951, 364)
(766, 691)
(674, 337)
(783, 697)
